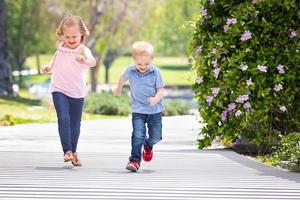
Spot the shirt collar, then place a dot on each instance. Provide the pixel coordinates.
(150, 70)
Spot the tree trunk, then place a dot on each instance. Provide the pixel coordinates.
(106, 74)
(5, 70)
(94, 76)
(38, 63)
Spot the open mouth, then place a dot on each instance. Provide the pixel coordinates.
(72, 43)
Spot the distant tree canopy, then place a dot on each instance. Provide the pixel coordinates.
(114, 26)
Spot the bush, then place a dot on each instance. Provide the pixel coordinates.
(245, 56)
(107, 104)
(7, 120)
(289, 149)
(176, 107)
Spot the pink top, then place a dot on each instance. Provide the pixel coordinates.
(68, 75)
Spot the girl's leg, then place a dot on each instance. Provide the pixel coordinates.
(154, 129)
(138, 136)
(62, 107)
(76, 106)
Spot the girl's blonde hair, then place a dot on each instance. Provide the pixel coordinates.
(142, 48)
(71, 20)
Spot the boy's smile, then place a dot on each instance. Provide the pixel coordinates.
(142, 62)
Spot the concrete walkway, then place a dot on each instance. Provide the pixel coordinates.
(32, 166)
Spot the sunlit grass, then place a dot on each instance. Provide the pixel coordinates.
(25, 109)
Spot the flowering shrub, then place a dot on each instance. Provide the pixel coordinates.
(245, 55)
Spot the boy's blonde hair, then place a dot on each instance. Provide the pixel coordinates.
(142, 48)
(71, 20)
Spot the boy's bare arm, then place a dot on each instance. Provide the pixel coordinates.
(118, 89)
(158, 96)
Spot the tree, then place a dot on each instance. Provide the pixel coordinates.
(166, 24)
(5, 70)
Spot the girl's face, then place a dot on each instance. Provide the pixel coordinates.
(71, 37)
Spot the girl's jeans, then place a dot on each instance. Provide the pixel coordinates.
(68, 112)
(138, 138)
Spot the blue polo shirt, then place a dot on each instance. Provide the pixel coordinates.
(143, 86)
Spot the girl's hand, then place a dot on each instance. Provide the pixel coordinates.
(152, 101)
(46, 69)
(81, 59)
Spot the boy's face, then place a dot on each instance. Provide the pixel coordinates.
(72, 36)
(142, 62)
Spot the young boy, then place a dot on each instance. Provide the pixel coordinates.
(146, 87)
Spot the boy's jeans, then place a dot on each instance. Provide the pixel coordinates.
(68, 112)
(138, 138)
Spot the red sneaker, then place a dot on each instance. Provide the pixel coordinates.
(147, 153)
(133, 166)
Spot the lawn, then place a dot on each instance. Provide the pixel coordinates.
(175, 70)
(25, 109)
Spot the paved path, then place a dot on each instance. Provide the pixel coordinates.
(31, 167)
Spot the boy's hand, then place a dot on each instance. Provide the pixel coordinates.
(116, 91)
(152, 101)
(81, 59)
(46, 69)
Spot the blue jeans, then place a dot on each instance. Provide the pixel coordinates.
(69, 111)
(139, 136)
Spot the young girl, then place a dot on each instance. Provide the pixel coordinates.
(69, 66)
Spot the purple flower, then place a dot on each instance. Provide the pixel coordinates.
(242, 98)
(246, 36)
(211, 2)
(199, 80)
(243, 66)
(204, 12)
(293, 34)
(282, 108)
(231, 107)
(216, 72)
(249, 82)
(214, 62)
(247, 105)
(215, 91)
(231, 21)
(280, 69)
(225, 28)
(224, 115)
(278, 87)
(214, 51)
(262, 68)
(254, 1)
(198, 50)
(209, 99)
(238, 113)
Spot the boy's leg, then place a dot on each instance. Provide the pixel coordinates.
(62, 107)
(138, 136)
(76, 106)
(154, 129)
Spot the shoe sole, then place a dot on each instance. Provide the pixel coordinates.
(131, 168)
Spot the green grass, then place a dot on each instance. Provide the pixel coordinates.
(175, 70)
(24, 109)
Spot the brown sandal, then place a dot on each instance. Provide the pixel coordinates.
(68, 156)
(76, 161)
